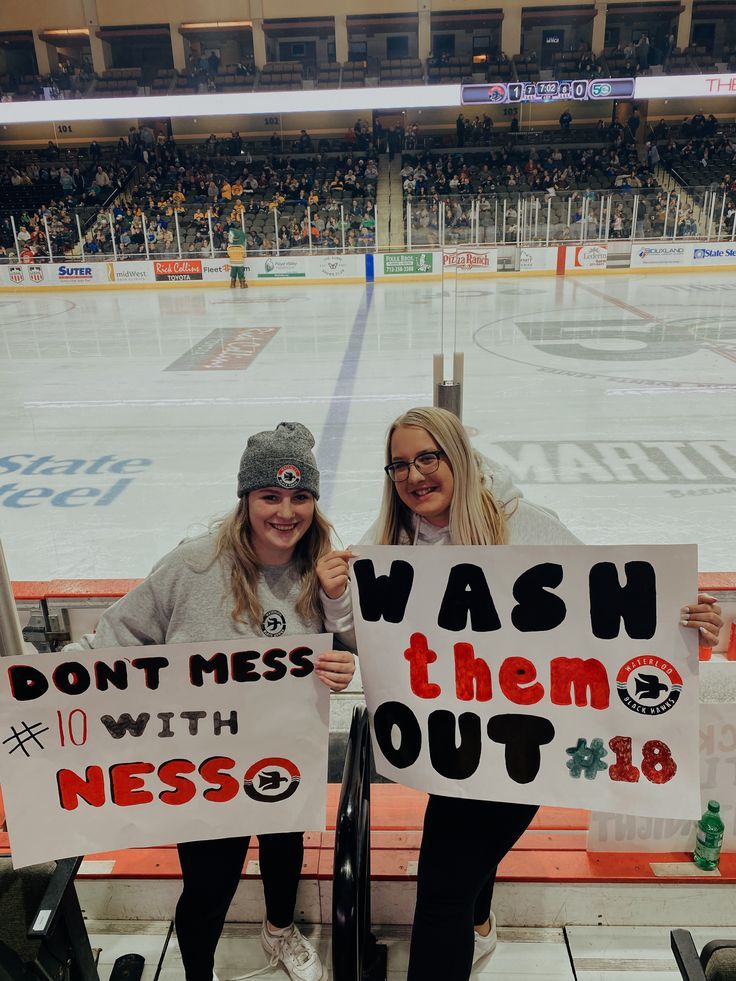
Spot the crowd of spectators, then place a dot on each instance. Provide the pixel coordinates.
(320, 200)
(157, 197)
(44, 196)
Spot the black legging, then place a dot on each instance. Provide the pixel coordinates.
(462, 844)
(211, 873)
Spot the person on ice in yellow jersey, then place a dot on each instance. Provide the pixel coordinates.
(236, 254)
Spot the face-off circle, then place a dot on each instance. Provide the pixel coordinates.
(272, 779)
(649, 685)
(289, 475)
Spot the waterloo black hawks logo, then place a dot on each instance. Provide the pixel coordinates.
(274, 623)
(272, 779)
(648, 685)
(289, 475)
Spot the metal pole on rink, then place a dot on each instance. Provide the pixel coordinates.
(666, 215)
(81, 237)
(503, 227)
(375, 231)
(677, 219)
(634, 216)
(608, 217)
(710, 215)
(309, 226)
(144, 226)
(549, 219)
(408, 223)
(178, 236)
(15, 237)
(276, 229)
(720, 220)
(495, 219)
(48, 239)
(212, 237)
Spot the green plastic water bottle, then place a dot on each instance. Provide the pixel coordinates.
(709, 838)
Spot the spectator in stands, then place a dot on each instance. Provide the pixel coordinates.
(102, 178)
(642, 52)
(218, 585)
(473, 503)
(634, 122)
(460, 130)
(304, 143)
(565, 120)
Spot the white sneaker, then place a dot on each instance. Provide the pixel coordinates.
(483, 947)
(299, 958)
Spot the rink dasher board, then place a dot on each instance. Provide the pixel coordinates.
(466, 262)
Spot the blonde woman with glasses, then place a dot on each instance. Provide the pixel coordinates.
(440, 491)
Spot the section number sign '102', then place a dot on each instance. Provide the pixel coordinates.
(582, 89)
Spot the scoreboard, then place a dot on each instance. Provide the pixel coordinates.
(580, 90)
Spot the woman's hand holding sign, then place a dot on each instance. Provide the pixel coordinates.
(335, 669)
(333, 572)
(706, 617)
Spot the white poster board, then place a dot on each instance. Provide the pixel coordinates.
(546, 675)
(109, 749)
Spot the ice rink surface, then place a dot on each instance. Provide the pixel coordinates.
(123, 415)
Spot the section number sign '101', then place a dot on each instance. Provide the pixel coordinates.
(582, 89)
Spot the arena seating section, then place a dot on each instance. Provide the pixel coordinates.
(149, 191)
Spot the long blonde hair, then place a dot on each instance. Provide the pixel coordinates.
(233, 547)
(476, 517)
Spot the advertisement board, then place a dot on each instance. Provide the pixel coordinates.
(470, 260)
(538, 260)
(177, 270)
(136, 272)
(714, 254)
(671, 254)
(130, 273)
(408, 264)
(587, 256)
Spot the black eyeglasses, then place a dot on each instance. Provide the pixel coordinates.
(425, 463)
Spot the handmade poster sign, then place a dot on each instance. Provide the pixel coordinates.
(545, 675)
(110, 749)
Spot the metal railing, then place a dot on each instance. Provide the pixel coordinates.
(573, 216)
(355, 954)
(103, 237)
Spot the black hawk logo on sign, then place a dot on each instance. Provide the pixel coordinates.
(649, 685)
(272, 779)
(274, 623)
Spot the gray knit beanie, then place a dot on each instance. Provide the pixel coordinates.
(281, 457)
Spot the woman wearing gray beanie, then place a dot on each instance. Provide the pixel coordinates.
(252, 575)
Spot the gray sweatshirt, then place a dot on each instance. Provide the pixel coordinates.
(529, 524)
(186, 599)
